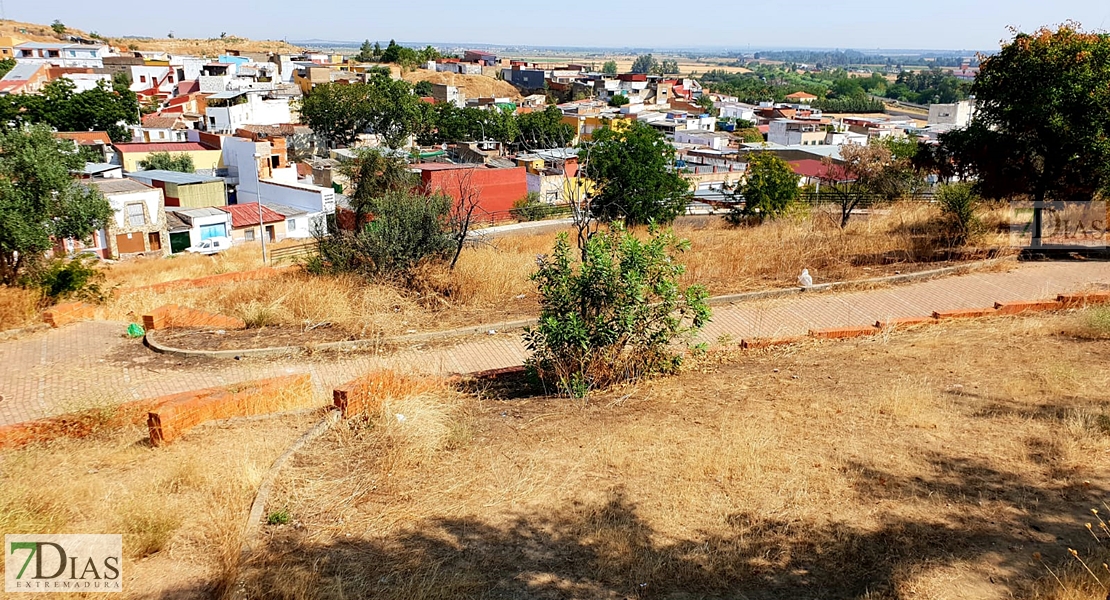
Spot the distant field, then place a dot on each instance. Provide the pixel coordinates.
(624, 62)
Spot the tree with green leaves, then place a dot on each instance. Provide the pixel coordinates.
(634, 176)
(373, 175)
(645, 64)
(706, 103)
(394, 111)
(422, 89)
(101, 108)
(58, 27)
(376, 54)
(543, 129)
(1041, 128)
(669, 67)
(770, 187)
(6, 65)
(164, 161)
(618, 100)
(336, 112)
(39, 199)
(609, 68)
(614, 316)
(365, 52)
(429, 53)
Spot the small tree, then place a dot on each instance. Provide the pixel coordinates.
(645, 64)
(770, 187)
(164, 161)
(618, 100)
(467, 196)
(6, 65)
(609, 68)
(422, 89)
(365, 52)
(958, 203)
(58, 27)
(372, 175)
(615, 316)
(634, 176)
(669, 67)
(39, 200)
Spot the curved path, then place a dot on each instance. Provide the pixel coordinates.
(93, 364)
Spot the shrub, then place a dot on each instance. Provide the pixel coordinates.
(530, 208)
(279, 517)
(613, 317)
(77, 278)
(406, 229)
(958, 203)
(770, 188)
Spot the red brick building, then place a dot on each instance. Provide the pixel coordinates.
(497, 188)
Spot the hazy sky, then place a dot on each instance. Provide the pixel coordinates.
(861, 24)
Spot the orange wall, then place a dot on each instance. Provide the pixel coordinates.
(498, 188)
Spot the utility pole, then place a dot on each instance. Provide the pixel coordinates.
(258, 198)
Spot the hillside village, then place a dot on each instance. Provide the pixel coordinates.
(235, 116)
(413, 322)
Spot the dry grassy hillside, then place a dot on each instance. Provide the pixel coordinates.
(473, 85)
(202, 47)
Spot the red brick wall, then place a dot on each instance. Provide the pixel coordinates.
(499, 188)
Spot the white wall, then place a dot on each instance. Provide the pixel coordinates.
(152, 199)
(255, 111)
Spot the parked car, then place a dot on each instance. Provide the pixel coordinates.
(211, 245)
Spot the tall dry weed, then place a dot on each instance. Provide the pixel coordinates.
(18, 306)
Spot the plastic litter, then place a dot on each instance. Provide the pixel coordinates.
(804, 279)
(135, 330)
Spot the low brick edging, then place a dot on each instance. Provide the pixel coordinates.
(501, 327)
(843, 333)
(70, 312)
(77, 424)
(173, 316)
(1084, 299)
(176, 414)
(210, 281)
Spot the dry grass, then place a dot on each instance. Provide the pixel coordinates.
(180, 508)
(18, 307)
(491, 281)
(928, 464)
(1091, 324)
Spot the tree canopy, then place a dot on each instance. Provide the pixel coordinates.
(39, 199)
(1041, 127)
(340, 112)
(164, 161)
(770, 187)
(645, 64)
(101, 108)
(634, 175)
(609, 68)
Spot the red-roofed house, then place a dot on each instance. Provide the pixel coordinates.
(812, 171)
(244, 223)
(160, 127)
(92, 139)
(800, 97)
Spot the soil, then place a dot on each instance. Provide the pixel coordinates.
(263, 337)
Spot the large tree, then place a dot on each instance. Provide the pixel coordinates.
(1042, 123)
(39, 199)
(102, 108)
(609, 68)
(394, 111)
(544, 129)
(337, 112)
(645, 64)
(633, 172)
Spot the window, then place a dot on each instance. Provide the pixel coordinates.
(52, 53)
(135, 215)
(142, 78)
(248, 235)
(292, 224)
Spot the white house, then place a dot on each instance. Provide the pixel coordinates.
(62, 55)
(138, 223)
(958, 114)
(709, 139)
(228, 111)
(190, 226)
(253, 169)
(736, 110)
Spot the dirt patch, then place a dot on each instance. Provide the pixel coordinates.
(931, 463)
(472, 86)
(263, 337)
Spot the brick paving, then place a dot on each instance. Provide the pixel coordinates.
(94, 364)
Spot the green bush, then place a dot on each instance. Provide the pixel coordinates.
(530, 208)
(406, 229)
(614, 316)
(958, 203)
(76, 278)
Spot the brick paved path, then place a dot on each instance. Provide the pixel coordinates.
(93, 364)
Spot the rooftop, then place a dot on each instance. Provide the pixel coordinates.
(245, 215)
(172, 177)
(285, 210)
(86, 138)
(163, 147)
(119, 186)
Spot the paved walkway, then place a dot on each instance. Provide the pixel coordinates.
(93, 364)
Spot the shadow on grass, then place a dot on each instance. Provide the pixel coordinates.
(608, 551)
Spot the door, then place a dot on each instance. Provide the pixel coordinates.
(155, 240)
(179, 241)
(270, 233)
(130, 243)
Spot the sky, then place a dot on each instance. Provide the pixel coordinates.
(857, 24)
